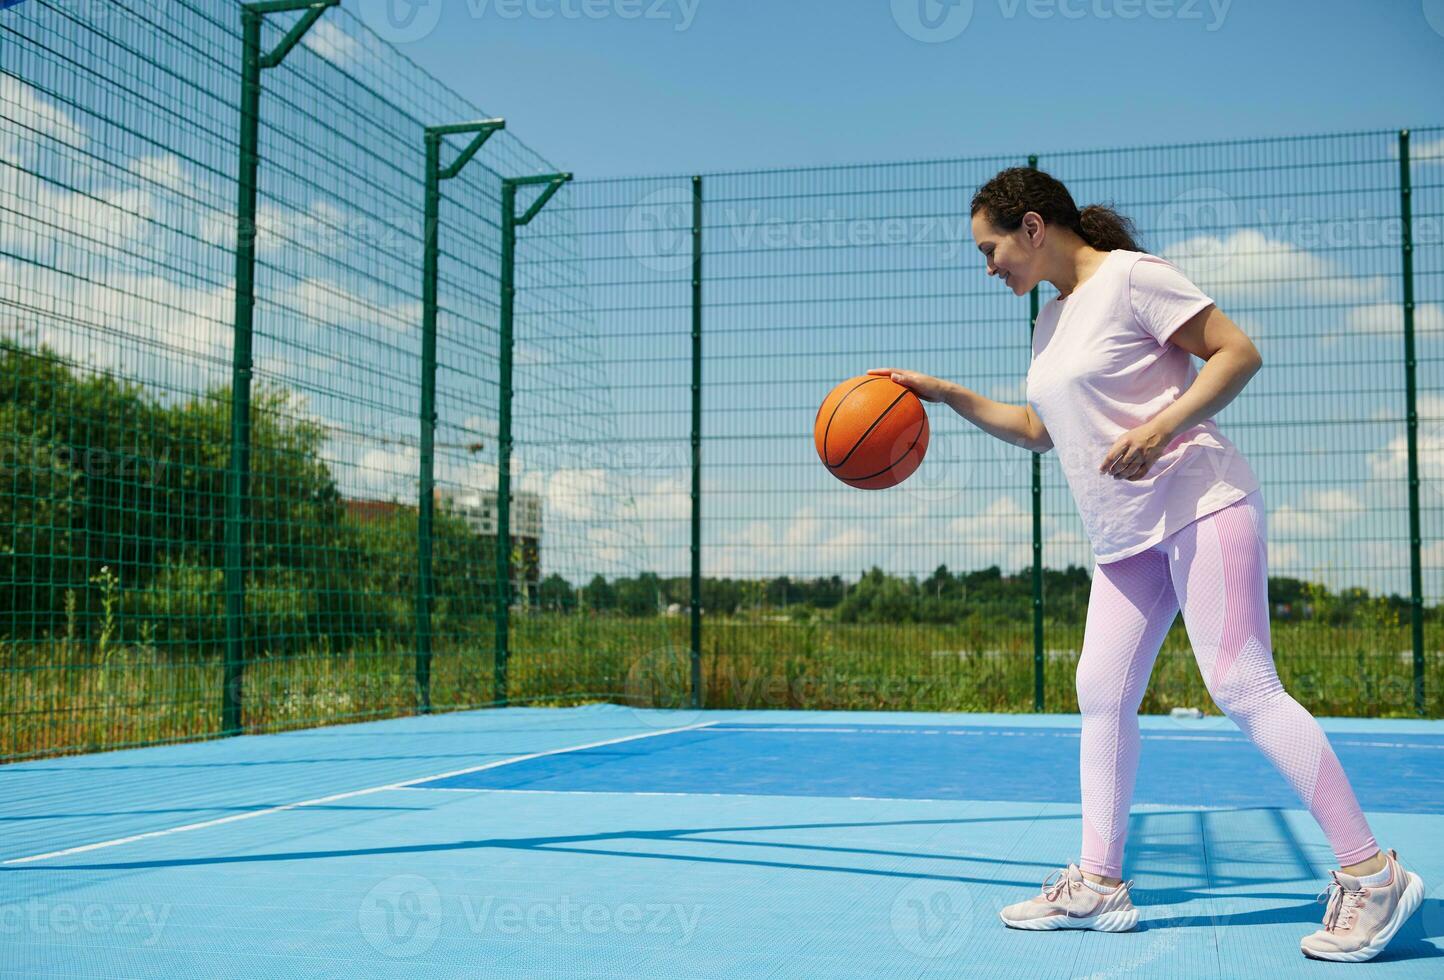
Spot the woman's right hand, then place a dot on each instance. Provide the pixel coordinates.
(925, 386)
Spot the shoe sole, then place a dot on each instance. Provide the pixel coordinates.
(1119, 920)
(1413, 897)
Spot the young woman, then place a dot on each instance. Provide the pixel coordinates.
(1176, 521)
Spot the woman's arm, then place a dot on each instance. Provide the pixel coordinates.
(1230, 359)
(1017, 425)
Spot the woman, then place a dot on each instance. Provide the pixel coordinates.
(1176, 520)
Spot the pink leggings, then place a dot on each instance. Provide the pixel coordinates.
(1216, 570)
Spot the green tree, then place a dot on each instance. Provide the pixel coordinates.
(556, 593)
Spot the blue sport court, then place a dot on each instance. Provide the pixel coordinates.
(604, 841)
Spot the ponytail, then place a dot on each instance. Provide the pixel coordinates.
(1105, 229)
(1016, 191)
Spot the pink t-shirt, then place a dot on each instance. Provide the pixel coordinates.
(1102, 365)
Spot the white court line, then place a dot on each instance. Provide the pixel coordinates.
(1046, 733)
(351, 795)
(1145, 807)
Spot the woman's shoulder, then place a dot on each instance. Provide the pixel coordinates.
(1144, 269)
(1148, 261)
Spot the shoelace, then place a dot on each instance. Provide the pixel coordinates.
(1054, 884)
(1343, 904)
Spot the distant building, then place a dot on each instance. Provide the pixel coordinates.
(367, 511)
(478, 509)
(1286, 610)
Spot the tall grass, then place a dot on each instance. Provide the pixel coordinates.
(68, 696)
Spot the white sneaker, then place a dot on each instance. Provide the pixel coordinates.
(1067, 902)
(1360, 921)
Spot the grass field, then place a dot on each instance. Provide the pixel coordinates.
(63, 697)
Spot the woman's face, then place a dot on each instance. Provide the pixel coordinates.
(1012, 256)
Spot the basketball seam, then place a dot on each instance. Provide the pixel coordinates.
(908, 452)
(862, 438)
(827, 431)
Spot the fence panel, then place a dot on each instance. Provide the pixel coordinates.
(666, 330)
(117, 273)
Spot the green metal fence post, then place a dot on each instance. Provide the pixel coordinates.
(238, 473)
(509, 224)
(426, 502)
(1416, 575)
(696, 652)
(1039, 663)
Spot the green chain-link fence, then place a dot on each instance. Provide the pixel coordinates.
(633, 421)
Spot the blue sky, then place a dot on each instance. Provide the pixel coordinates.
(706, 85)
(116, 251)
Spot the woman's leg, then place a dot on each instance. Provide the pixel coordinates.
(1130, 607)
(1219, 566)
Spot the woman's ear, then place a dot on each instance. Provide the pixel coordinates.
(1034, 228)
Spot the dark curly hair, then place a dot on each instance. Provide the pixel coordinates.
(1016, 191)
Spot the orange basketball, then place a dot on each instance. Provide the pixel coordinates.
(871, 432)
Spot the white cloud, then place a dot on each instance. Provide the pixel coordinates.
(1340, 502)
(330, 42)
(1392, 461)
(30, 117)
(606, 550)
(1431, 151)
(1002, 534)
(1429, 407)
(386, 473)
(1283, 557)
(804, 543)
(328, 303)
(1319, 514)
(1248, 267)
(165, 169)
(126, 323)
(580, 494)
(323, 227)
(1003, 517)
(43, 219)
(1389, 318)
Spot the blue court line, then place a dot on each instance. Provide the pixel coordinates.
(1216, 769)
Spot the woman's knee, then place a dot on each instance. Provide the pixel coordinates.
(1249, 684)
(1099, 688)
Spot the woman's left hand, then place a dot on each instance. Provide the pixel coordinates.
(1135, 452)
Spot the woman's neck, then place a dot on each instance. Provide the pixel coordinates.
(1076, 268)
